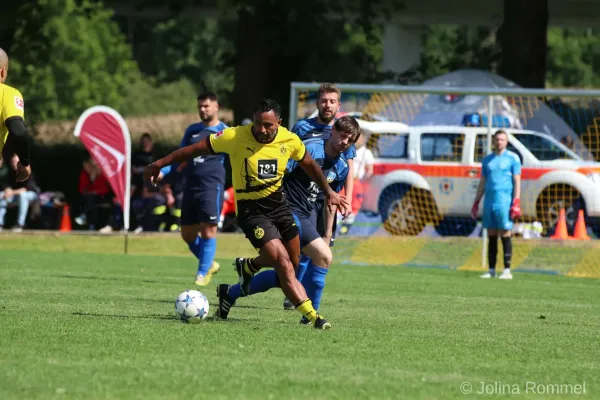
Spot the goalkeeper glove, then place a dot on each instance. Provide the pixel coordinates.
(515, 209)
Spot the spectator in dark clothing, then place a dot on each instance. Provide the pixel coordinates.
(21, 193)
(96, 191)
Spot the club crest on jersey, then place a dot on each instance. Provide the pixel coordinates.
(331, 176)
(19, 103)
(218, 134)
(259, 232)
(283, 150)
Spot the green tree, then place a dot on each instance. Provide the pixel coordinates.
(319, 41)
(196, 49)
(68, 56)
(573, 58)
(447, 48)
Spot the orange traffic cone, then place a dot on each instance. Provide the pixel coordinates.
(580, 229)
(65, 222)
(561, 233)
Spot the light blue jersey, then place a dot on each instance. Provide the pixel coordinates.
(499, 171)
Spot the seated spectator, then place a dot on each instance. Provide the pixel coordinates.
(141, 197)
(13, 192)
(96, 192)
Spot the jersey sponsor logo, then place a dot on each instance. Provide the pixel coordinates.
(19, 104)
(107, 166)
(259, 232)
(267, 169)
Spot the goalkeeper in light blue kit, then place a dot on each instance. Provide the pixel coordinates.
(501, 184)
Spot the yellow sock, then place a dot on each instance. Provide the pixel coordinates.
(307, 309)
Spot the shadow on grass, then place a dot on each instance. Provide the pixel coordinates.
(89, 277)
(210, 318)
(152, 316)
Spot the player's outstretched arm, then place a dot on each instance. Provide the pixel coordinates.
(315, 173)
(202, 148)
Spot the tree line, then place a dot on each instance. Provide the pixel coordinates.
(67, 55)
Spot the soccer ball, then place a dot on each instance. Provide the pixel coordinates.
(191, 306)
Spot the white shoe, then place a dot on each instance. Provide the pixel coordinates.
(506, 274)
(487, 275)
(106, 229)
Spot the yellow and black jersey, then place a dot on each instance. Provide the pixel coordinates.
(11, 105)
(257, 169)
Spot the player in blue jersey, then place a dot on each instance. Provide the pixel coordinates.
(501, 184)
(302, 193)
(328, 105)
(203, 190)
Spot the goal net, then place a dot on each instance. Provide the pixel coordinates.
(428, 143)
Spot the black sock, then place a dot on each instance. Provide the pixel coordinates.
(492, 251)
(507, 246)
(252, 266)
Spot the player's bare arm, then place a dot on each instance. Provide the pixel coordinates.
(349, 184)
(478, 196)
(328, 217)
(517, 184)
(202, 148)
(334, 200)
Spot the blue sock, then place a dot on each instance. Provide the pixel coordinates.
(196, 246)
(314, 282)
(262, 282)
(207, 255)
(304, 260)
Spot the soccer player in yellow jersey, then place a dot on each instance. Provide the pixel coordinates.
(13, 134)
(259, 154)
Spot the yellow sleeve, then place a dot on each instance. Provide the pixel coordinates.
(224, 141)
(13, 105)
(297, 148)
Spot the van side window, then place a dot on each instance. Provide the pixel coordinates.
(443, 147)
(388, 145)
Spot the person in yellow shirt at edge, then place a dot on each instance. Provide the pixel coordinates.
(259, 154)
(13, 134)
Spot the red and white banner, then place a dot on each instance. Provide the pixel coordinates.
(105, 135)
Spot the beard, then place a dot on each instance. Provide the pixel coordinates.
(327, 118)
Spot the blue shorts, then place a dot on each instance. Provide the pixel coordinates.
(308, 228)
(201, 206)
(497, 215)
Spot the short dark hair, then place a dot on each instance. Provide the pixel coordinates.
(266, 105)
(501, 132)
(145, 135)
(348, 124)
(207, 96)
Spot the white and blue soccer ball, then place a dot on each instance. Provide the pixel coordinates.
(191, 306)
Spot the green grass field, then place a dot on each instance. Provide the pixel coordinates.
(77, 322)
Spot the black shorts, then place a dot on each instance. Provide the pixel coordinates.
(319, 206)
(201, 206)
(260, 227)
(308, 228)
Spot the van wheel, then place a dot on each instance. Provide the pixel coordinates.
(550, 202)
(405, 210)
